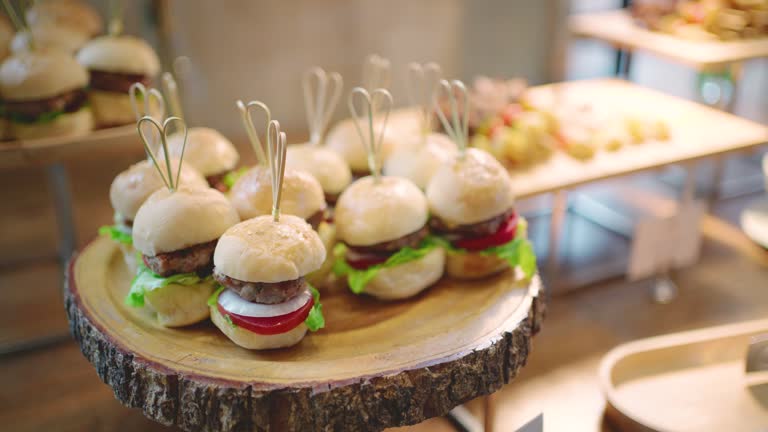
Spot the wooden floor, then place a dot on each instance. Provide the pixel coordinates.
(55, 388)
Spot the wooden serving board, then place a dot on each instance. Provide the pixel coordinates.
(375, 365)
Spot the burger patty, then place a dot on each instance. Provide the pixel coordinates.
(262, 292)
(194, 259)
(116, 82)
(331, 198)
(216, 181)
(479, 229)
(316, 219)
(412, 240)
(68, 102)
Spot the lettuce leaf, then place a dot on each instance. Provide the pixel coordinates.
(358, 279)
(315, 320)
(214, 298)
(118, 233)
(233, 176)
(518, 252)
(146, 280)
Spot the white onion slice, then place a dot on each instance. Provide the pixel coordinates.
(233, 303)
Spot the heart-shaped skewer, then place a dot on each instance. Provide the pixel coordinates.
(422, 81)
(377, 99)
(253, 136)
(458, 127)
(276, 148)
(163, 131)
(321, 95)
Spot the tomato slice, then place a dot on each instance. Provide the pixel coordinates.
(361, 261)
(505, 234)
(272, 325)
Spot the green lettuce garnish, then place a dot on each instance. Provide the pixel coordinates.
(358, 279)
(146, 280)
(214, 298)
(315, 320)
(118, 233)
(518, 252)
(233, 176)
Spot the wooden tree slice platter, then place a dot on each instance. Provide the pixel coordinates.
(375, 365)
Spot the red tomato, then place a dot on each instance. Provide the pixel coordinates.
(505, 234)
(272, 325)
(510, 113)
(361, 261)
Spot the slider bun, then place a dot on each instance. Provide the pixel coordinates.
(133, 186)
(262, 250)
(471, 190)
(302, 195)
(180, 305)
(40, 75)
(473, 265)
(69, 124)
(419, 161)
(76, 15)
(368, 212)
(330, 169)
(120, 54)
(129, 256)
(170, 221)
(344, 140)
(250, 340)
(49, 38)
(207, 150)
(111, 108)
(409, 279)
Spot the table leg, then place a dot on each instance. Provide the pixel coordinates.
(58, 181)
(559, 210)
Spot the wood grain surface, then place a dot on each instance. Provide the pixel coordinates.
(375, 365)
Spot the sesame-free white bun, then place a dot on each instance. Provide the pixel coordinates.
(180, 305)
(73, 14)
(302, 195)
(473, 265)
(406, 280)
(344, 140)
(207, 150)
(49, 38)
(470, 190)
(40, 75)
(129, 256)
(119, 54)
(111, 108)
(370, 212)
(418, 161)
(250, 340)
(170, 221)
(133, 186)
(69, 124)
(327, 166)
(262, 250)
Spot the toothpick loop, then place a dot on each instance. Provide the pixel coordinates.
(371, 142)
(319, 106)
(253, 136)
(163, 130)
(376, 74)
(458, 127)
(422, 82)
(276, 149)
(115, 26)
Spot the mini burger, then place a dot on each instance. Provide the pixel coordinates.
(385, 248)
(44, 95)
(344, 140)
(302, 195)
(265, 301)
(176, 233)
(128, 192)
(115, 63)
(471, 203)
(48, 38)
(72, 14)
(209, 152)
(419, 160)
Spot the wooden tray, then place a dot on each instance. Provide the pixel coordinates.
(691, 381)
(47, 150)
(375, 365)
(616, 27)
